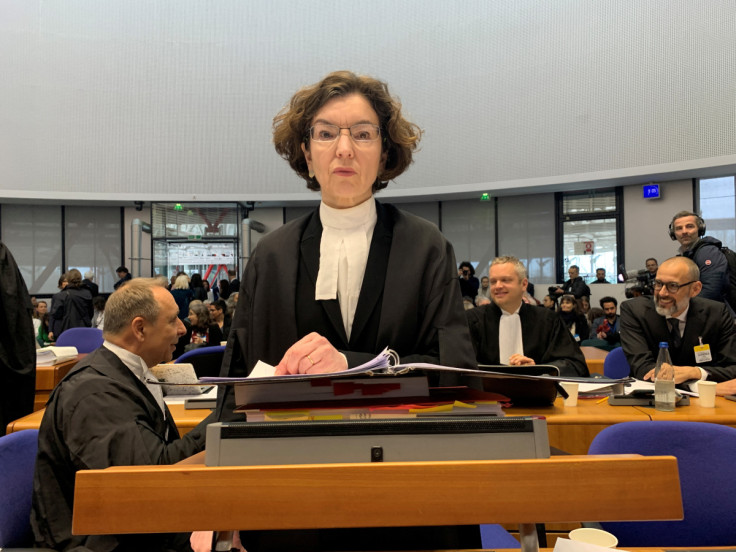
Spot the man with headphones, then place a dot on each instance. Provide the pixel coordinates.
(688, 228)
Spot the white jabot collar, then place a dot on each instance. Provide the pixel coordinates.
(343, 254)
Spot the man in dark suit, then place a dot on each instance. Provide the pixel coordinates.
(234, 282)
(123, 274)
(685, 321)
(88, 282)
(103, 413)
(574, 286)
(512, 332)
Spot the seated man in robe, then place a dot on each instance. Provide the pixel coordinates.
(509, 331)
(106, 413)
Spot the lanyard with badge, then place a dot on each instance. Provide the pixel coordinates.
(702, 352)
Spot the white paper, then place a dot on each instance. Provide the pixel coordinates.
(176, 398)
(262, 370)
(649, 386)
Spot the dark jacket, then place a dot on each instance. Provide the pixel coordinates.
(545, 338)
(613, 336)
(101, 415)
(576, 287)
(642, 329)
(199, 293)
(122, 280)
(93, 288)
(183, 297)
(71, 308)
(581, 324)
(17, 344)
(706, 253)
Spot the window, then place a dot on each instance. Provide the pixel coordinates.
(717, 200)
(195, 237)
(48, 240)
(589, 230)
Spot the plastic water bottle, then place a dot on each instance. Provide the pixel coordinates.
(664, 381)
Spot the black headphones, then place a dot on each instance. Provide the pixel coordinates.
(698, 220)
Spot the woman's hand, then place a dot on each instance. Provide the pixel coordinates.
(312, 354)
(520, 360)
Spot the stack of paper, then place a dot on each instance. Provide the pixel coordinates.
(49, 356)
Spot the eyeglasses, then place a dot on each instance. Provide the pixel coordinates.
(672, 287)
(361, 133)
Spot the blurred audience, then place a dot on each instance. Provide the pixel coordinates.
(182, 295)
(573, 318)
(88, 282)
(197, 286)
(469, 284)
(123, 275)
(98, 318)
(71, 307)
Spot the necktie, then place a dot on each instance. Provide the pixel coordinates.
(675, 339)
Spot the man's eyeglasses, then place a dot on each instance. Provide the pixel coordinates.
(672, 287)
(361, 133)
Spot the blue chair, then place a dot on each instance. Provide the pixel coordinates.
(494, 536)
(615, 365)
(85, 340)
(705, 457)
(17, 459)
(206, 360)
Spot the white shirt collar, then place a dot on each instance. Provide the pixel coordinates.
(682, 316)
(135, 363)
(140, 370)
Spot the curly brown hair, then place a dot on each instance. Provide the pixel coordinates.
(291, 125)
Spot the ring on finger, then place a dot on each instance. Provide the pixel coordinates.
(310, 360)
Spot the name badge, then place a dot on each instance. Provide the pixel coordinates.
(702, 353)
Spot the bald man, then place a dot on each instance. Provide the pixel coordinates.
(103, 413)
(677, 315)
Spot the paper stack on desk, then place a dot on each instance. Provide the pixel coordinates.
(49, 356)
(440, 401)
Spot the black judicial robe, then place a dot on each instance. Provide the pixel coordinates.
(17, 343)
(545, 338)
(409, 301)
(101, 415)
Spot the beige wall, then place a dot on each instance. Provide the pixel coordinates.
(646, 221)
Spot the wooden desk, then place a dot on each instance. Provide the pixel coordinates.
(48, 377)
(724, 412)
(573, 428)
(146, 499)
(594, 358)
(185, 419)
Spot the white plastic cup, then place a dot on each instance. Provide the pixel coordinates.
(707, 393)
(572, 392)
(589, 535)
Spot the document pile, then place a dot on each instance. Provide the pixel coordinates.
(49, 356)
(372, 391)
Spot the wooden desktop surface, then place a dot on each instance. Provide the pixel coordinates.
(48, 377)
(185, 420)
(186, 497)
(571, 429)
(594, 358)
